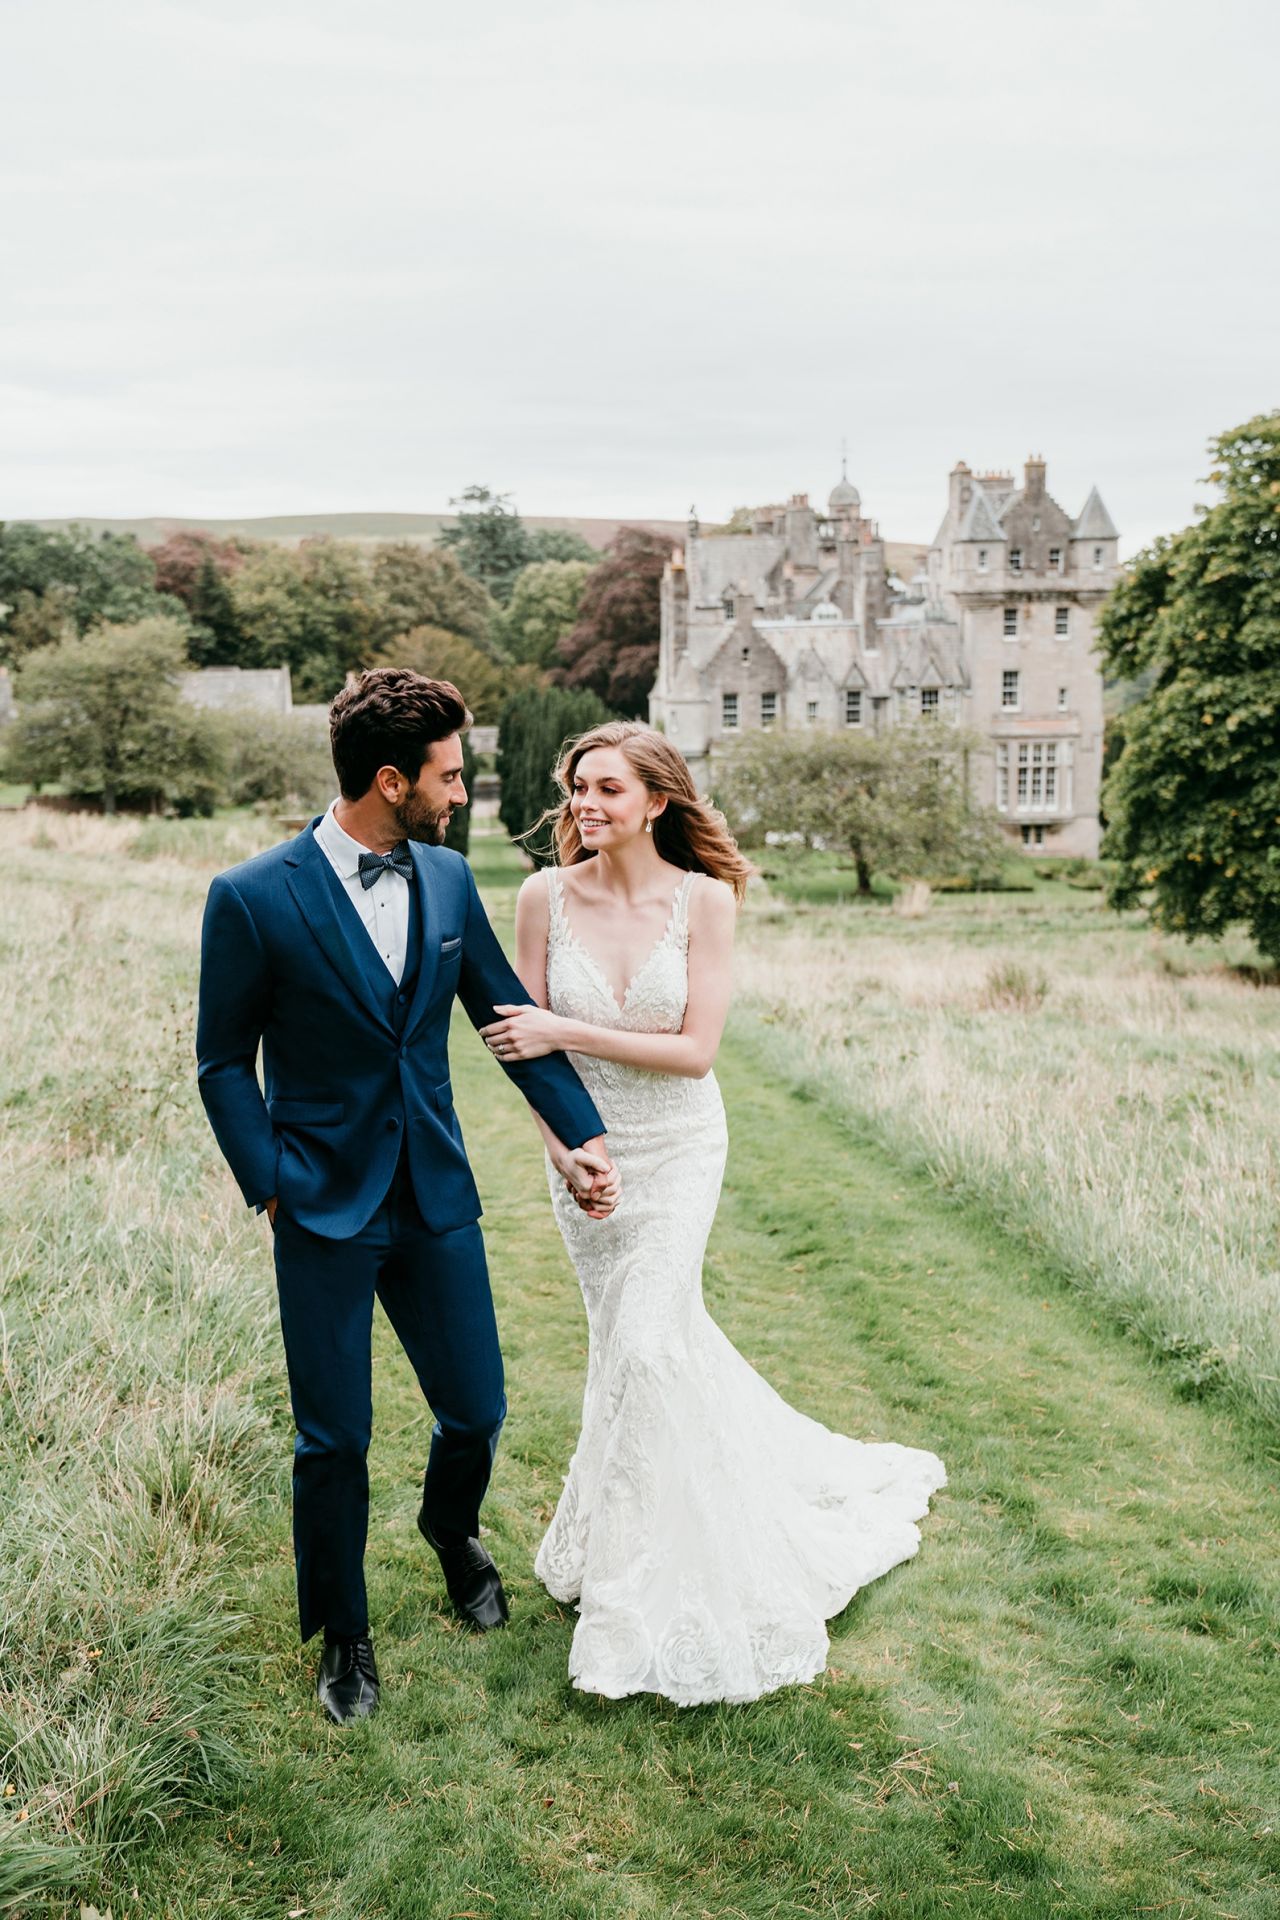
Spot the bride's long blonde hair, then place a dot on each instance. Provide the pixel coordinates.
(688, 833)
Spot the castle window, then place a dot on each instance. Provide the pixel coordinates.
(1062, 699)
(928, 702)
(768, 709)
(1097, 559)
(853, 706)
(1032, 836)
(1055, 559)
(1011, 623)
(1009, 699)
(1015, 559)
(1002, 779)
(728, 711)
(1061, 622)
(746, 653)
(811, 711)
(1038, 777)
(982, 559)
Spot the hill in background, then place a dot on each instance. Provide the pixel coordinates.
(902, 557)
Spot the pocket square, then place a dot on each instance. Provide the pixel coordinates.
(451, 945)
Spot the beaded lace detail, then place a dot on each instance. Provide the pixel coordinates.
(706, 1529)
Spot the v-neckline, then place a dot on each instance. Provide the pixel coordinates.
(619, 1006)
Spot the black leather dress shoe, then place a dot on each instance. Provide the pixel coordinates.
(347, 1682)
(474, 1583)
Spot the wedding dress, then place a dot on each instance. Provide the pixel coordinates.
(706, 1529)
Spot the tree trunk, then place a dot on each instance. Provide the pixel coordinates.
(863, 870)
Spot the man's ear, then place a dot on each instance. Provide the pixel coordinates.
(390, 783)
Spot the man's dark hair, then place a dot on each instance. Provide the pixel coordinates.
(390, 717)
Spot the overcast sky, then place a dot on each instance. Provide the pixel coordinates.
(294, 256)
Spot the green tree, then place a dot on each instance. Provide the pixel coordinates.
(52, 580)
(417, 586)
(543, 608)
(103, 715)
(613, 646)
(531, 734)
(1193, 798)
(560, 543)
(309, 608)
(898, 802)
(484, 684)
(489, 539)
(197, 568)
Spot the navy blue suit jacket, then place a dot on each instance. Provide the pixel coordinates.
(286, 962)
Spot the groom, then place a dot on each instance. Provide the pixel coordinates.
(341, 952)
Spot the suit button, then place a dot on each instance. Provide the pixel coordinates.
(392, 1125)
(400, 999)
(404, 1053)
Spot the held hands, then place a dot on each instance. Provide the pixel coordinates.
(590, 1176)
(523, 1033)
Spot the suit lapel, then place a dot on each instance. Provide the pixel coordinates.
(428, 920)
(311, 889)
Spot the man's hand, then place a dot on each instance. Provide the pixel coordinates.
(592, 1178)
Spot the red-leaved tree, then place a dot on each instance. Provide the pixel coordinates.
(613, 649)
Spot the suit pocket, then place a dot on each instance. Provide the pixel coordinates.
(306, 1113)
(443, 1096)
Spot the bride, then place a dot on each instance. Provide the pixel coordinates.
(706, 1529)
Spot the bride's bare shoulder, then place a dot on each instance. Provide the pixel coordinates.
(712, 903)
(531, 901)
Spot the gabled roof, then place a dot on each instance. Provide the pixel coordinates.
(1095, 523)
(980, 521)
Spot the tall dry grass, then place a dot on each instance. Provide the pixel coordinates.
(137, 1378)
(1114, 1094)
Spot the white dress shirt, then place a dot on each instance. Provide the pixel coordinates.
(383, 907)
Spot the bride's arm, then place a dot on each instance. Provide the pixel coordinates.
(532, 1031)
(531, 965)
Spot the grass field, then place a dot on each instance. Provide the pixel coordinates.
(1067, 1704)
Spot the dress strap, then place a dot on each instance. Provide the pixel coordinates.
(555, 899)
(680, 909)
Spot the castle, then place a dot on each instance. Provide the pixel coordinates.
(797, 621)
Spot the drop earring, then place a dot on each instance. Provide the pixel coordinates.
(648, 826)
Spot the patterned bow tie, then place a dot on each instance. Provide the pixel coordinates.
(399, 860)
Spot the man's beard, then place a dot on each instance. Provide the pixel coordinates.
(418, 821)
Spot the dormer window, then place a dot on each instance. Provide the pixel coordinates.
(1055, 559)
(928, 703)
(1015, 559)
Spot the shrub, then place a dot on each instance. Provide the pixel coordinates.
(531, 733)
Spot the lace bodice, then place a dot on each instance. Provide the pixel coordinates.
(654, 1002)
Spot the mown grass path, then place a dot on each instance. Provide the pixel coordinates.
(1067, 1704)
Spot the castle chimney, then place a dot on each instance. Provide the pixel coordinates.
(1033, 480)
(961, 491)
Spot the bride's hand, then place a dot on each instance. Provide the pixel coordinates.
(524, 1033)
